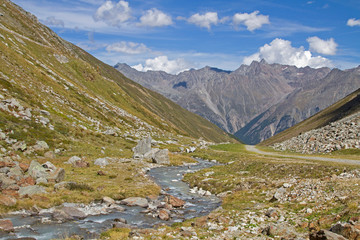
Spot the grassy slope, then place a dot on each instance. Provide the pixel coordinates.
(89, 75)
(347, 106)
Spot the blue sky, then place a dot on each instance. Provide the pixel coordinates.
(173, 35)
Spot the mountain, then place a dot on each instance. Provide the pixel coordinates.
(301, 104)
(53, 91)
(253, 102)
(344, 108)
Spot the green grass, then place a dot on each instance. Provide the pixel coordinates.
(229, 147)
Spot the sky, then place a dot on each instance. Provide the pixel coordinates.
(174, 35)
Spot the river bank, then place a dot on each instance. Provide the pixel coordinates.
(89, 220)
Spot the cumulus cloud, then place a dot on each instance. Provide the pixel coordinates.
(281, 51)
(327, 47)
(352, 22)
(113, 14)
(162, 63)
(205, 20)
(52, 21)
(252, 20)
(127, 47)
(155, 18)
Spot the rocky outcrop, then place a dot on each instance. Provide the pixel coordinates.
(143, 150)
(342, 134)
(143, 147)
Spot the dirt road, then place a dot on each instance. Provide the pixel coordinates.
(252, 148)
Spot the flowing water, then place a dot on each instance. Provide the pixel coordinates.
(169, 178)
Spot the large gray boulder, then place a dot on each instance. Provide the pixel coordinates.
(161, 157)
(142, 148)
(36, 170)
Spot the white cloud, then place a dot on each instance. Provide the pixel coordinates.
(155, 18)
(252, 21)
(127, 47)
(205, 20)
(113, 14)
(281, 51)
(52, 21)
(162, 63)
(327, 47)
(352, 22)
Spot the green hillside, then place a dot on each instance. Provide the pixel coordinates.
(76, 101)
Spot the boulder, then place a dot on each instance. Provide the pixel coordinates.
(73, 212)
(6, 225)
(73, 159)
(6, 182)
(142, 147)
(36, 170)
(57, 176)
(47, 171)
(15, 172)
(101, 162)
(164, 214)
(325, 235)
(174, 201)
(346, 230)
(21, 146)
(41, 146)
(161, 157)
(151, 153)
(136, 201)
(108, 200)
(31, 190)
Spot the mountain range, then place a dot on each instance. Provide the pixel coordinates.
(255, 101)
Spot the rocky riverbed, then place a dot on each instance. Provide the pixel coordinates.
(175, 204)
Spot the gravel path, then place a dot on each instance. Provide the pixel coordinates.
(252, 148)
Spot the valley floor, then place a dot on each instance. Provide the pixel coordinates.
(268, 196)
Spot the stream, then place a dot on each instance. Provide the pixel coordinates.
(169, 178)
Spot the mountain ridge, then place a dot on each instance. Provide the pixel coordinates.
(232, 100)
